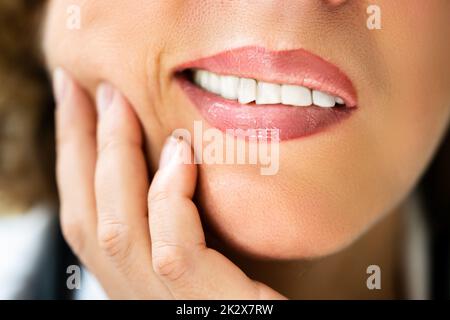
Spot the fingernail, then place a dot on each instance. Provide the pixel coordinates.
(169, 152)
(104, 97)
(60, 84)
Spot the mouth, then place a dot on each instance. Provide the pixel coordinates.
(250, 88)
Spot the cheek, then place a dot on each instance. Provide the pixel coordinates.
(105, 46)
(411, 115)
(112, 42)
(117, 43)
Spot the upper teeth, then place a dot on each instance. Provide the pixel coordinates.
(247, 90)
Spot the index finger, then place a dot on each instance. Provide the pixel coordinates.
(180, 256)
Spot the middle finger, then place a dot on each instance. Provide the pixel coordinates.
(121, 186)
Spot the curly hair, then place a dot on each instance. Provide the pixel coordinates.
(26, 115)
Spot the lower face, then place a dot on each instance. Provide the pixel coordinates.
(341, 169)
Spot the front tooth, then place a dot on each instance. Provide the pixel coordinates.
(295, 95)
(247, 90)
(322, 99)
(229, 86)
(214, 83)
(268, 93)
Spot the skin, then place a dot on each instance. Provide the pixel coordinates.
(331, 187)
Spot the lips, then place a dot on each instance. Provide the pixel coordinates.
(285, 71)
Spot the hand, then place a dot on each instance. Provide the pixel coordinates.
(140, 241)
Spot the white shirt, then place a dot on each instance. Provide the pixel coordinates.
(22, 243)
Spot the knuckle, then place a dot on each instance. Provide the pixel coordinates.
(71, 135)
(110, 142)
(113, 239)
(157, 198)
(170, 262)
(73, 233)
(64, 141)
(116, 140)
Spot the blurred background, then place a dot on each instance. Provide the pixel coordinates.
(32, 252)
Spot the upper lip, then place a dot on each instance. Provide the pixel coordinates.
(296, 67)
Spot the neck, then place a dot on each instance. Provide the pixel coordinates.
(342, 275)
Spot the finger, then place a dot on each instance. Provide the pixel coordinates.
(76, 156)
(121, 186)
(170, 205)
(180, 256)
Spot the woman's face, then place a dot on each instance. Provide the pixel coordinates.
(332, 183)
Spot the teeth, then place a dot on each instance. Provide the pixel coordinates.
(201, 78)
(321, 99)
(339, 100)
(198, 76)
(214, 83)
(229, 86)
(247, 90)
(268, 93)
(295, 95)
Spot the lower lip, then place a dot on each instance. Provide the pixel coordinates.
(291, 122)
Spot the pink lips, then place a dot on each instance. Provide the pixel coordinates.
(298, 67)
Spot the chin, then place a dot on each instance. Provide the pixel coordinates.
(264, 220)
